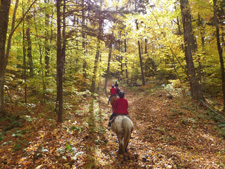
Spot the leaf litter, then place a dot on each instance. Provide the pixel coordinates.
(169, 133)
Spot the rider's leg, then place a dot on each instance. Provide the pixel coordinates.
(109, 124)
(109, 98)
(111, 117)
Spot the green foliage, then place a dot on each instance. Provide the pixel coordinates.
(76, 128)
(1, 136)
(18, 145)
(18, 133)
(28, 118)
(221, 132)
(68, 147)
(220, 120)
(177, 112)
(14, 122)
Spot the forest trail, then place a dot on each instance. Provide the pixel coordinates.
(169, 133)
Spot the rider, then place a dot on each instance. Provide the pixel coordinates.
(117, 90)
(119, 107)
(116, 84)
(113, 92)
(117, 87)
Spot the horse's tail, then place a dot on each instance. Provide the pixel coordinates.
(128, 128)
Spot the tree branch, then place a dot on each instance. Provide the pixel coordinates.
(13, 29)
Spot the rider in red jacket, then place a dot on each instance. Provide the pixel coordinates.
(119, 107)
(113, 92)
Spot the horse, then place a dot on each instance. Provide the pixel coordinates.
(117, 90)
(123, 126)
(112, 100)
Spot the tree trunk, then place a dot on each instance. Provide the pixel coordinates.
(220, 51)
(11, 34)
(4, 15)
(24, 61)
(93, 87)
(47, 48)
(83, 42)
(24, 64)
(29, 47)
(125, 50)
(64, 32)
(146, 46)
(99, 72)
(140, 57)
(109, 59)
(59, 64)
(41, 63)
(179, 31)
(93, 84)
(120, 58)
(29, 52)
(202, 33)
(189, 48)
(141, 64)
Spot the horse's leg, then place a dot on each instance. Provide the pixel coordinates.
(120, 139)
(127, 126)
(126, 150)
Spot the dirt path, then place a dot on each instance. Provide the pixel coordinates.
(169, 133)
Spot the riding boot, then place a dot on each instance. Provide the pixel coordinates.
(109, 98)
(109, 124)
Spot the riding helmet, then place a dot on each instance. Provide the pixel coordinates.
(121, 94)
(112, 86)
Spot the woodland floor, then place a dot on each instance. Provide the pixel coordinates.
(169, 133)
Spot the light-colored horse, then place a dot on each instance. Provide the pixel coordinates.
(123, 127)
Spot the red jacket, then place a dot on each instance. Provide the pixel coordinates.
(113, 91)
(120, 106)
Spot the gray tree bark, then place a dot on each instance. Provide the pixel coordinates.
(190, 48)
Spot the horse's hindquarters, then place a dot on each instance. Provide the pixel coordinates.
(117, 125)
(122, 126)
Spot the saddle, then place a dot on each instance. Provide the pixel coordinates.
(114, 117)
